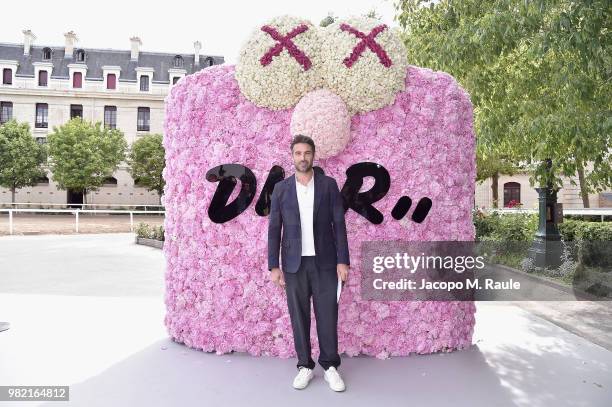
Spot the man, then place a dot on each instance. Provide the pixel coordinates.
(308, 208)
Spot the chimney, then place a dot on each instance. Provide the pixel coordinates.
(28, 40)
(71, 38)
(136, 43)
(196, 55)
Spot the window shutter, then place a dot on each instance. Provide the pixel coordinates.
(111, 81)
(77, 80)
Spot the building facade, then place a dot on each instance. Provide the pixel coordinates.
(46, 86)
(517, 188)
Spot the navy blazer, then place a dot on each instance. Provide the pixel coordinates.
(330, 240)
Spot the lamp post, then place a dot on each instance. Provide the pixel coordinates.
(546, 248)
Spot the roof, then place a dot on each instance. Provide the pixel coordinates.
(95, 59)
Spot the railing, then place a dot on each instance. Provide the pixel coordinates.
(576, 211)
(14, 205)
(76, 212)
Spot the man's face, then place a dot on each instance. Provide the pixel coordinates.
(302, 157)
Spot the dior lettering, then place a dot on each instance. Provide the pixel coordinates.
(227, 175)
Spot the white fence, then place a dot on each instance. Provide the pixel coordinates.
(41, 205)
(601, 212)
(77, 212)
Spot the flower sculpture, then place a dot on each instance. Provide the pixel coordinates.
(227, 136)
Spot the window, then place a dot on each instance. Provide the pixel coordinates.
(7, 76)
(178, 61)
(143, 121)
(512, 193)
(111, 81)
(41, 140)
(42, 115)
(80, 55)
(77, 80)
(76, 111)
(46, 54)
(42, 78)
(144, 83)
(175, 80)
(110, 117)
(6, 112)
(210, 61)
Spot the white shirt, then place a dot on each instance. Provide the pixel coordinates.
(305, 197)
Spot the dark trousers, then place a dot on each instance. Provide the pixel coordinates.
(321, 285)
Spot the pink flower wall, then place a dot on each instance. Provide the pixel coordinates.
(218, 294)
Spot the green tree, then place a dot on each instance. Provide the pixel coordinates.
(373, 14)
(331, 18)
(21, 157)
(84, 154)
(147, 161)
(328, 20)
(538, 72)
(491, 163)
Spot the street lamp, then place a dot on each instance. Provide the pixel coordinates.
(546, 248)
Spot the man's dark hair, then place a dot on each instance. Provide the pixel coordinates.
(303, 139)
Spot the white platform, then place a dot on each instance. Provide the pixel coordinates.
(113, 351)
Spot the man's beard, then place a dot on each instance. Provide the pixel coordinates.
(303, 164)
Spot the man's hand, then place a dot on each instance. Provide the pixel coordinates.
(342, 270)
(276, 275)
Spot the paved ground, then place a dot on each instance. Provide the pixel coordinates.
(590, 319)
(24, 224)
(94, 321)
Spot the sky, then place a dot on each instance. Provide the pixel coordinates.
(221, 26)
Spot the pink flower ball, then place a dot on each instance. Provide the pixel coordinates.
(323, 116)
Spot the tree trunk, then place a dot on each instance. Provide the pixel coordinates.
(583, 187)
(495, 189)
(13, 195)
(84, 197)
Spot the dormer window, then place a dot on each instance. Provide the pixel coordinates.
(111, 81)
(77, 80)
(42, 78)
(46, 56)
(77, 74)
(7, 76)
(178, 61)
(80, 55)
(144, 76)
(111, 75)
(144, 83)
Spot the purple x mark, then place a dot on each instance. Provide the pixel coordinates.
(366, 41)
(284, 41)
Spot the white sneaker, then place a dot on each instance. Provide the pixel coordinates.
(333, 378)
(303, 378)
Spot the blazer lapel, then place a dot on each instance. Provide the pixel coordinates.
(293, 194)
(318, 192)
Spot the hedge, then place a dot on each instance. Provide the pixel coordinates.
(150, 232)
(595, 238)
